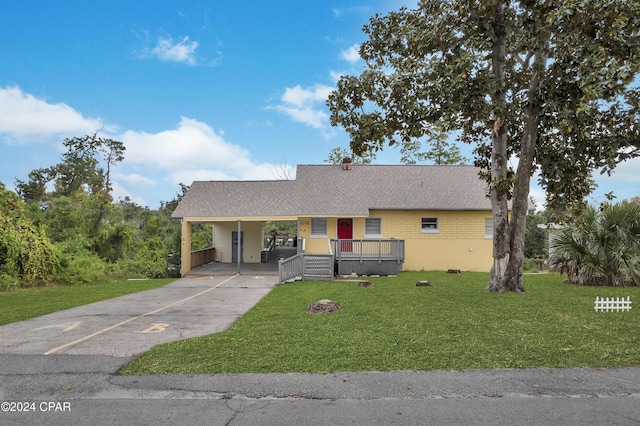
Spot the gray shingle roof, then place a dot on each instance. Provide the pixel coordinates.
(328, 190)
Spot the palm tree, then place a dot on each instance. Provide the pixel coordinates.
(601, 248)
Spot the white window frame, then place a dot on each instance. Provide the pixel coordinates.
(378, 234)
(429, 229)
(488, 228)
(320, 222)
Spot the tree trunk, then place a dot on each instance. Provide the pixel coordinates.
(509, 277)
(499, 166)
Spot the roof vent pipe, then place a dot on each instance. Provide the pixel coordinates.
(346, 163)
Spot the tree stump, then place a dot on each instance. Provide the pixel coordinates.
(365, 284)
(423, 284)
(324, 306)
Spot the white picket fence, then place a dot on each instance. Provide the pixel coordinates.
(613, 305)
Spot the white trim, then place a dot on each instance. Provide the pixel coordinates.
(429, 231)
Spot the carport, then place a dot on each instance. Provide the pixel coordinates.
(238, 211)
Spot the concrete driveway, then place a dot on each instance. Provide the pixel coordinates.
(129, 325)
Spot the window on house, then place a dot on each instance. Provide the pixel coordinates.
(488, 227)
(318, 226)
(430, 225)
(373, 227)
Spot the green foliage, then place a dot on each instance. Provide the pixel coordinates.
(201, 236)
(26, 254)
(79, 170)
(435, 69)
(8, 282)
(79, 265)
(152, 258)
(289, 228)
(94, 239)
(439, 150)
(535, 239)
(113, 242)
(337, 154)
(602, 248)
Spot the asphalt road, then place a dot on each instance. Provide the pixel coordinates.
(76, 382)
(83, 389)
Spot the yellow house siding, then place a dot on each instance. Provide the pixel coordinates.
(458, 244)
(252, 242)
(314, 244)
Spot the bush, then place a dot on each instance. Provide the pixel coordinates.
(601, 248)
(533, 265)
(26, 254)
(8, 282)
(80, 267)
(149, 261)
(125, 269)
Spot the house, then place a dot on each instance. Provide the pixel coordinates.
(440, 213)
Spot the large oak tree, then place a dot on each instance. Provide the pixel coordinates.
(549, 82)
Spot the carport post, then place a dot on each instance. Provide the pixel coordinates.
(185, 248)
(239, 244)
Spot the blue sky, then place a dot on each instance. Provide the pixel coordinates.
(197, 90)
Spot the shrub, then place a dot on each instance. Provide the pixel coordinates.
(26, 254)
(533, 264)
(149, 261)
(80, 266)
(601, 248)
(7, 282)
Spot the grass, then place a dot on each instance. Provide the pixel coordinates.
(21, 304)
(395, 325)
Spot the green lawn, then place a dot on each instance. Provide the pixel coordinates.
(395, 325)
(18, 305)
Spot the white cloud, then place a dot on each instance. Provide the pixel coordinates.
(299, 97)
(336, 75)
(192, 145)
(334, 40)
(120, 193)
(134, 179)
(538, 195)
(187, 176)
(192, 151)
(170, 51)
(23, 114)
(305, 105)
(624, 182)
(309, 116)
(626, 171)
(352, 54)
(340, 12)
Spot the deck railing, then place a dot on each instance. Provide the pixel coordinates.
(380, 250)
(202, 257)
(305, 266)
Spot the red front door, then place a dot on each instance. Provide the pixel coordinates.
(345, 232)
